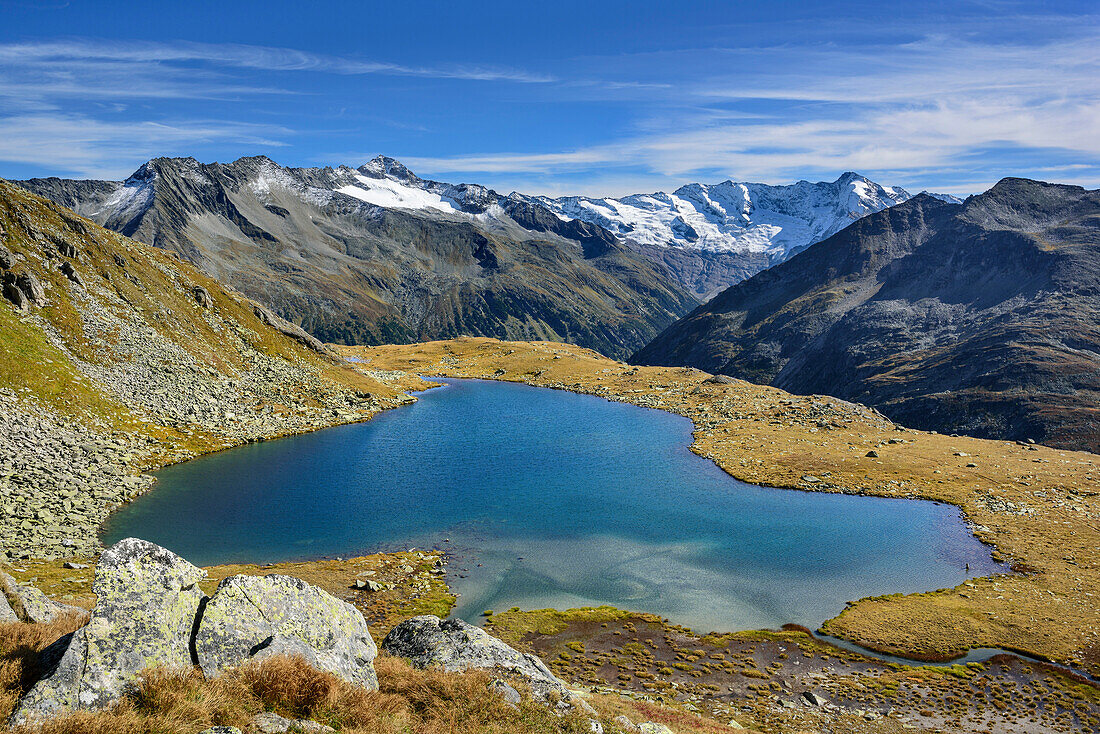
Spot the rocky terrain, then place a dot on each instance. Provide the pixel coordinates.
(151, 618)
(975, 318)
(377, 255)
(117, 357)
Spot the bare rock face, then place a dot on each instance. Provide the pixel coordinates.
(250, 617)
(202, 297)
(147, 600)
(456, 646)
(292, 330)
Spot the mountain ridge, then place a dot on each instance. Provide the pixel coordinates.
(705, 236)
(977, 318)
(318, 246)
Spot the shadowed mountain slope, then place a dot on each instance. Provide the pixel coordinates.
(981, 318)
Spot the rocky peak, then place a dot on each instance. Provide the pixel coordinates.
(383, 166)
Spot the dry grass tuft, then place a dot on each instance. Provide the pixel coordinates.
(409, 700)
(20, 646)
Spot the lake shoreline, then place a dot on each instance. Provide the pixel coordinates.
(770, 430)
(873, 631)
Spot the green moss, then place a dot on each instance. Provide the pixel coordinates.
(512, 626)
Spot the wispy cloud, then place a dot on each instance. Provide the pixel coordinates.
(244, 56)
(82, 146)
(934, 103)
(71, 105)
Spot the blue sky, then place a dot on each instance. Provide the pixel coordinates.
(563, 97)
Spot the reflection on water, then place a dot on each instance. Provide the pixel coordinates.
(551, 499)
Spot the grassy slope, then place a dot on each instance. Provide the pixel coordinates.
(155, 287)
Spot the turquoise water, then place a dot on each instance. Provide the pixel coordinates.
(547, 498)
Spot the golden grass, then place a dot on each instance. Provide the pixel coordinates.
(20, 646)
(409, 701)
(1037, 506)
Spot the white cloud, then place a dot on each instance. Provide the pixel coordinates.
(81, 146)
(912, 109)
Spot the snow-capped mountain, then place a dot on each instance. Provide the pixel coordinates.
(705, 236)
(728, 217)
(736, 217)
(708, 236)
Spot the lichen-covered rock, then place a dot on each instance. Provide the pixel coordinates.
(30, 604)
(456, 646)
(652, 727)
(202, 297)
(256, 617)
(7, 614)
(146, 603)
(270, 722)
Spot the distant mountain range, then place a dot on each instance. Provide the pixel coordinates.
(712, 236)
(981, 317)
(341, 250)
(375, 254)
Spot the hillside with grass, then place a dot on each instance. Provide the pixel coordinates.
(117, 357)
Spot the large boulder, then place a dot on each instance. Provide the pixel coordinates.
(454, 646)
(27, 604)
(251, 617)
(147, 601)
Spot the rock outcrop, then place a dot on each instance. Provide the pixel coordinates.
(28, 604)
(253, 617)
(146, 604)
(150, 613)
(455, 646)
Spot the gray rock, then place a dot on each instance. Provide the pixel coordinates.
(270, 722)
(221, 730)
(507, 692)
(70, 272)
(146, 605)
(624, 723)
(202, 296)
(7, 614)
(812, 698)
(253, 617)
(720, 380)
(7, 259)
(30, 604)
(32, 289)
(454, 646)
(652, 727)
(16, 297)
(292, 330)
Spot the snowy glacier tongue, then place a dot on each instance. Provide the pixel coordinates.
(387, 192)
(735, 217)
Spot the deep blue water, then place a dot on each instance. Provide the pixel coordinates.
(564, 500)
